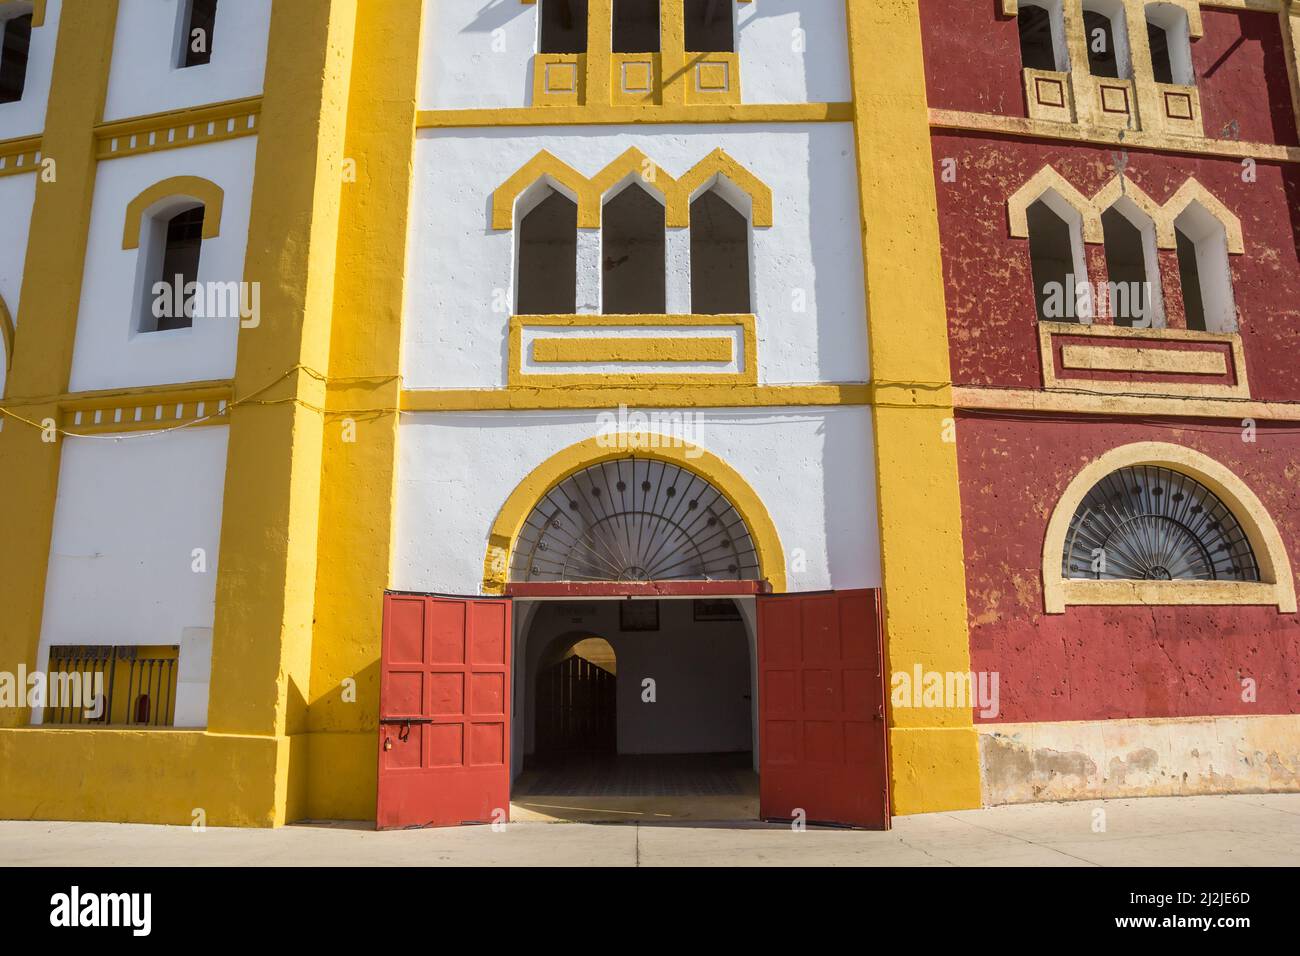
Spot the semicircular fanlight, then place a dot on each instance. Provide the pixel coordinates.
(1154, 524)
(634, 519)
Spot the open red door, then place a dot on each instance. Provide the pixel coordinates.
(822, 738)
(444, 705)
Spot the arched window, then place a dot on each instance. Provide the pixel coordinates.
(548, 256)
(1132, 265)
(1170, 39)
(1149, 523)
(1056, 261)
(171, 247)
(1041, 36)
(634, 519)
(633, 273)
(13, 55)
(636, 26)
(198, 24)
(719, 257)
(710, 27)
(564, 26)
(1107, 39)
(1203, 269)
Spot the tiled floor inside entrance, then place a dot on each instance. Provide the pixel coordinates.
(638, 786)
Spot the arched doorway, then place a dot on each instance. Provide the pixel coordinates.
(577, 699)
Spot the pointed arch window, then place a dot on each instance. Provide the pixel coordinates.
(633, 254)
(720, 263)
(1204, 271)
(1056, 260)
(548, 255)
(1132, 266)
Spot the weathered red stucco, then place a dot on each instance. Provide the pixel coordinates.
(1109, 662)
(992, 323)
(972, 56)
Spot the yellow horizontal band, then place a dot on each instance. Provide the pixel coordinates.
(656, 396)
(597, 115)
(641, 349)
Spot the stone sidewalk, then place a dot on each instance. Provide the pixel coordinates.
(1238, 830)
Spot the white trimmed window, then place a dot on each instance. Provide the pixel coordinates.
(1204, 271)
(1057, 260)
(196, 28)
(1042, 36)
(1106, 33)
(16, 37)
(1132, 266)
(1170, 40)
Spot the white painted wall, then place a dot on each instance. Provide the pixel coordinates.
(814, 470)
(17, 194)
(793, 51)
(130, 511)
(454, 337)
(27, 116)
(109, 352)
(144, 77)
(477, 54)
(701, 673)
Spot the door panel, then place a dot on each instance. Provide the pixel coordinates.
(822, 736)
(445, 668)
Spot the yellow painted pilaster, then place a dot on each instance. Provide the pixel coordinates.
(934, 757)
(672, 46)
(46, 326)
(261, 655)
(358, 479)
(600, 58)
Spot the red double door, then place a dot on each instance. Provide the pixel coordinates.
(444, 736)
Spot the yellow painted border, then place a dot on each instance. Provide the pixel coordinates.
(38, 11)
(19, 156)
(1047, 330)
(178, 128)
(517, 378)
(715, 395)
(190, 187)
(1276, 587)
(589, 192)
(690, 457)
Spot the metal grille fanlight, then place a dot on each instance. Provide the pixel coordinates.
(1150, 523)
(634, 519)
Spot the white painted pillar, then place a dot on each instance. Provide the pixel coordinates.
(589, 271)
(677, 255)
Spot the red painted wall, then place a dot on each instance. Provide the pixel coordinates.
(1241, 72)
(1095, 663)
(973, 64)
(992, 324)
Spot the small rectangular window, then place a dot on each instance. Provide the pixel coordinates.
(709, 27)
(636, 26)
(564, 26)
(105, 685)
(200, 22)
(13, 57)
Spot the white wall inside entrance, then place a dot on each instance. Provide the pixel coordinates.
(703, 673)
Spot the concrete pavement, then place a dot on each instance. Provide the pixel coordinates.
(1237, 830)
